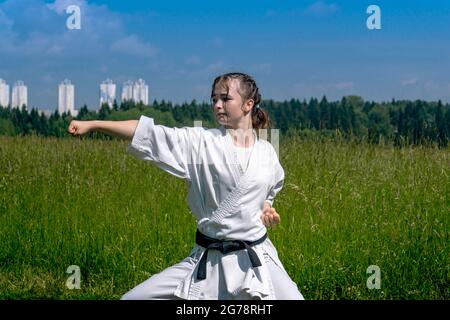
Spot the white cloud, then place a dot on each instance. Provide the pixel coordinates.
(428, 90)
(55, 49)
(193, 60)
(36, 42)
(217, 42)
(409, 82)
(47, 78)
(320, 8)
(202, 89)
(5, 22)
(103, 69)
(43, 31)
(215, 66)
(344, 85)
(265, 68)
(132, 45)
(331, 90)
(60, 6)
(201, 71)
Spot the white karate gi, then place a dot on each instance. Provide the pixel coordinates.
(227, 203)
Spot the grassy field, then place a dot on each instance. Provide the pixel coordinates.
(344, 207)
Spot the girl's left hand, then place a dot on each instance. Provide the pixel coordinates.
(270, 216)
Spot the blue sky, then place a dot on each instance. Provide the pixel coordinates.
(294, 49)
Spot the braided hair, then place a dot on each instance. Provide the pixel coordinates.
(248, 90)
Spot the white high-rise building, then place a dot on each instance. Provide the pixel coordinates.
(127, 91)
(140, 92)
(107, 92)
(66, 98)
(4, 93)
(19, 95)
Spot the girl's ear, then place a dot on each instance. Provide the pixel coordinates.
(248, 105)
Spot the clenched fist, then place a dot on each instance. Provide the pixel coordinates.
(78, 128)
(270, 216)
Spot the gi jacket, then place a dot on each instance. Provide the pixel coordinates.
(226, 201)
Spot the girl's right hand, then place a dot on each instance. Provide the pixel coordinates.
(270, 216)
(78, 128)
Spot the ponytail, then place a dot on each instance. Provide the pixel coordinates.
(260, 118)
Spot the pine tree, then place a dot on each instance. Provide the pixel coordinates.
(35, 121)
(83, 112)
(324, 110)
(44, 125)
(441, 127)
(104, 111)
(313, 113)
(447, 125)
(115, 107)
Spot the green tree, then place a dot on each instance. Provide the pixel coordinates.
(115, 107)
(325, 115)
(441, 126)
(25, 125)
(83, 112)
(344, 116)
(378, 124)
(7, 127)
(45, 129)
(35, 121)
(313, 113)
(447, 124)
(104, 111)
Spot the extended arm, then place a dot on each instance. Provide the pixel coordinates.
(121, 129)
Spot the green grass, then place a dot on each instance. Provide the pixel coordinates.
(344, 207)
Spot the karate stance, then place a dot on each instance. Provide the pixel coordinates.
(233, 177)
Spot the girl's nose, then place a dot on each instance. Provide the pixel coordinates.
(218, 105)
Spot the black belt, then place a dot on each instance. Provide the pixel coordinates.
(225, 246)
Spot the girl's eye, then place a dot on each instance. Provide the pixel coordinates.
(214, 100)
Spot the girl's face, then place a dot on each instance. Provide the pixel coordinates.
(228, 107)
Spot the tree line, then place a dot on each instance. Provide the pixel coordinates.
(402, 122)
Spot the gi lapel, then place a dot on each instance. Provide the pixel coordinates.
(243, 181)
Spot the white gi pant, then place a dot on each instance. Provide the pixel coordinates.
(163, 285)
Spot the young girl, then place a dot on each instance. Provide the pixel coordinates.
(233, 177)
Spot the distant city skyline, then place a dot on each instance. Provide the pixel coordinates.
(19, 95)
(134, 91)
(107, 93)
(66, 97)
(140, 92)
(293, 49)
(127, 91)
(4, 93)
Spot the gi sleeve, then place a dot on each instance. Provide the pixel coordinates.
(277, 182)
(167, 148)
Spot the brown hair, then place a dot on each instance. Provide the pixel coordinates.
(248, 90)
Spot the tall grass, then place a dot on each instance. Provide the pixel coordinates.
(345, 206)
